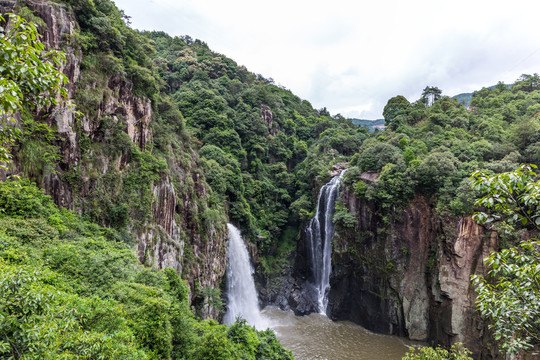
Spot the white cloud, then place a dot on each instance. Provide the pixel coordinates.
(351, 57)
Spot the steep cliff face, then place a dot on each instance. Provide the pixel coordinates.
(410, 277)
(107, 166)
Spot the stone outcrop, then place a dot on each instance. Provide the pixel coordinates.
(268, 117)
(289, 290)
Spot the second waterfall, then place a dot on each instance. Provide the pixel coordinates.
(319, 237)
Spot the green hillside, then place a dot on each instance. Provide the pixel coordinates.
(261, 146)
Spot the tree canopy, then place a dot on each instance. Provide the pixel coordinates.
(430, 94)
(398, 105)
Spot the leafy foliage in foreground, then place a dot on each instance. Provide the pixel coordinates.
(510, 296)
(69, 288)
(511, 198)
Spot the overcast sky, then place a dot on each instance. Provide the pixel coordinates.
(351, 56)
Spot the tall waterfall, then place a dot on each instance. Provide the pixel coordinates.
(319, 235)
(241, 292)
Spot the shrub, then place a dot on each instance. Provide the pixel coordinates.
(457, 352)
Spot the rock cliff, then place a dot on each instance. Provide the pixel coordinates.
(410, 277)
(100, 171)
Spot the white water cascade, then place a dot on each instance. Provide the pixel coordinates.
(241, 292)
(319, 235)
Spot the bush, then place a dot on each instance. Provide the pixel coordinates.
(373, 157)
(23, 200)
(457, 352)
(40, 322)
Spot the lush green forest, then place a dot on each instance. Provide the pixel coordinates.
(261, 147)
(257, 154)
(71, 288)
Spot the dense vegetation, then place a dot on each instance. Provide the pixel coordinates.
(432, 150)
(69, 288)
(261, 147)
(256, 138)
(106, 175)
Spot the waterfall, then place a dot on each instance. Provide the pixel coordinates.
(319, 236)
(241, 292)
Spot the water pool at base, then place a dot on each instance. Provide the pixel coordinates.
(316, 337)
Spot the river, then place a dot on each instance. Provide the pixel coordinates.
(316, 337)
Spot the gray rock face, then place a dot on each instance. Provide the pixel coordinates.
(268, 117)
(288, 293)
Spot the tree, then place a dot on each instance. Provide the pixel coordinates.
(435, 170)
(375, 155)
(510, 295)
(28, 77)
(523, 132)
(527, 82)
(430, 94)
(512, 198)
(398, 105)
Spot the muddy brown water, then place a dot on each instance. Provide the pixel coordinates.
(315, 337)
